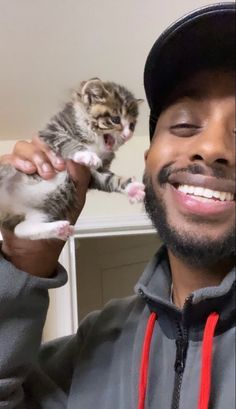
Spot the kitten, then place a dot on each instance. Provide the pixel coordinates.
(100, 117)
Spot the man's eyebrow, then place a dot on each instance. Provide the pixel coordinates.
(192, 93)
(181, 93)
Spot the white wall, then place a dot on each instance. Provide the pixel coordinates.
(48, 47)
(6, 146)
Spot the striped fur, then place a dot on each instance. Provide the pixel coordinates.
(100, 117)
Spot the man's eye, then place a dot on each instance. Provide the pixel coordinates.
(184, 125)
(115, 119)
(184, 129)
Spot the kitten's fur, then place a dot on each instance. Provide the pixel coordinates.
(99, 119)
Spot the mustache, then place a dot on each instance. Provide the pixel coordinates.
(195, 168)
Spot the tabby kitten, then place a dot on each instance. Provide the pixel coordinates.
(100, 117)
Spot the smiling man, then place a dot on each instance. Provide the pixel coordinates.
(172, 345)
(190, 180)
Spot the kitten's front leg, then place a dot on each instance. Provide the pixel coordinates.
(69, 148)
(87, 158)
(109, 182)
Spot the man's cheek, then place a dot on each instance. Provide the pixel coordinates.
(161, 154)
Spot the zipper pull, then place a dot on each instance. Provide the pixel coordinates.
(181, 352)
(141, 292)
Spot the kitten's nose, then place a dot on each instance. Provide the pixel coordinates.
(127, 133)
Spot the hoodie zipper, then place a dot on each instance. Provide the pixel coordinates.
(181, 354)
(181, 351)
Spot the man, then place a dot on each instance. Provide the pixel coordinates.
(172, 345)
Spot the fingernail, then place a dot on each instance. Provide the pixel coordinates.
(59, 161)
(46, 168)
(28, 165)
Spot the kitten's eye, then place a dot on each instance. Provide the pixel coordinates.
(115, 119)
(132, 126)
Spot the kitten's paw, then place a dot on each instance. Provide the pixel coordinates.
(64, 230)
(135, 192)
(89, 159)
(38, 231)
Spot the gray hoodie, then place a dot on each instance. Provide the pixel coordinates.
(139, 352)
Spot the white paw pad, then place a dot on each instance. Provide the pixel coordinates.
(89, 159)
(135, 192)
(64, 230)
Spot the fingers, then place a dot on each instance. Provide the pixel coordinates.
(35, 156)
(21, 164)
(57, 162)
(27, 158)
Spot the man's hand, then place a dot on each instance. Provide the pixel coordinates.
(40, 257)
(34, 156)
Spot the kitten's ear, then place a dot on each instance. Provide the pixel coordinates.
(139, 101)
(93, 91)
(76, 96)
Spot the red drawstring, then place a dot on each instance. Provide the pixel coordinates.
(207, 345)
(145, 360)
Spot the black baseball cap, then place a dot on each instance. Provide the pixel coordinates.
(204, 38)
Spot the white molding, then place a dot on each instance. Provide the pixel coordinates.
(62, 318)
(73, 285)
(113, 225)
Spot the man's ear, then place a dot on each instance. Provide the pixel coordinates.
(146, 154)
(93, 91)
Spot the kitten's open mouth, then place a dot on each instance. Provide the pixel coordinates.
(109, 140)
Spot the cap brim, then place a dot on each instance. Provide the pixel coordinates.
(207, 34)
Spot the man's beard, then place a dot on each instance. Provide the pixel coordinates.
(199, 252)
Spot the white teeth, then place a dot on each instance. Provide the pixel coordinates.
(191, 189)
(223, 196)
(207, 193)
(204, 192)
(217, 194)
(198, 191)
(183, 188)
(229, 196)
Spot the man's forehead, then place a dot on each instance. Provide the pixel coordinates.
(202, 85)
(205, 83)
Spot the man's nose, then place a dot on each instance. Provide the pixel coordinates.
(214, 145)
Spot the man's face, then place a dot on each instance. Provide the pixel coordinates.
(190, 170)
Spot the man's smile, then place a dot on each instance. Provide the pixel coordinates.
(191, 203)
(220, 187)
(202, 195)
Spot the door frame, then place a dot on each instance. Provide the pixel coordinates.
(64, 301)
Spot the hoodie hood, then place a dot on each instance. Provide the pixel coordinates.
(155, 287)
